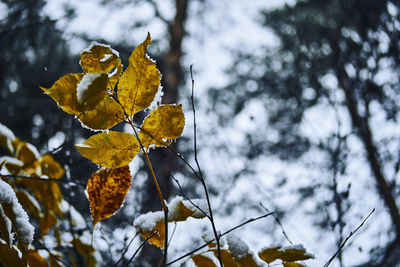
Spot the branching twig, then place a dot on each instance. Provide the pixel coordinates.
(278, 222)
(141, 245)
(211, 217)
(223, 234)
(126, 250)
(347, 238)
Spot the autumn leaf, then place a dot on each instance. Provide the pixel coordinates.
(295, 253)
(34, 259)
(50, 167)
(164, 123)
(47, 222)
(112, 149)
(102, 58)
(86, 251)
(270, 254)
(9, 256)
(140, 81)
(91, 90)
(104, 115)
(107, 189)
(203, 261)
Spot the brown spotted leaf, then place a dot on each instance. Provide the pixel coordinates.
(107, 189)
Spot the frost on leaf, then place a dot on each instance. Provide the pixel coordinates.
(286, 254)
(112, 149)
(164, 123)
(153, 222)
(102, 58)
(92, 89)
(7, 137)
(14, 218)
(140, 81)
(107, 189)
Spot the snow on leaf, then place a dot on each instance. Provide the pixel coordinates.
(18, 217)
(107, 189)
(166, 122)
(103, 116)
(50, 167)
(140, 81)
(295, 253)
(102, 58)
(35, 260)
(269, 254)
(92, 89)
(6, 138)
(237, 247)
(203, 261)
(177, 211)
(112, 149)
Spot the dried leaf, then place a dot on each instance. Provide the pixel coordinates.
(270, 254)
(50, 167)
(102, 58)
(35, 260)
(47, 222)
(112, 149)
(164, 123)
(9, 256)
(107, 189)
(86, 251)
(292, 264)
(140, 81)
(203, 261)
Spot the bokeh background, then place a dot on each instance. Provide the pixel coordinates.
(297, 109)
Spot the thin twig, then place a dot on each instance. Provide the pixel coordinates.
(141, 245)
(187, 198)
(223, 234)
(278, 222)
(211, 217)
(125, 250)
(347, 238)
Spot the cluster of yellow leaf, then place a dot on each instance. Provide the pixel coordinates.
(40, 197)
(230, 257)
(101, 98)
(151, 225)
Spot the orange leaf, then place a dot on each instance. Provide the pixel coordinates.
(107, 189)
(203, 261)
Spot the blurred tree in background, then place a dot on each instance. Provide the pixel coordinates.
(335, 71)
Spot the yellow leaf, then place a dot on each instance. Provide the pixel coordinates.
(140, 81)
(107, 189)
(247, 261)
(63, 91)
(50, 167)
(203, 261)
(9, 256)
(46, 192)
(35, 260)
(7, 137)
(4, 231)
(178, 211)
(92, 89)
(28, 204)
(164, 123)
(104, 115)
(292, 264)
(12, 165)
(47, 222)
(102, 58)
(294, 253)
(54, 261)
(270, 254)
(227, 258)
(27, 153)
(157, 234)
(86, 251)
(112, 149)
